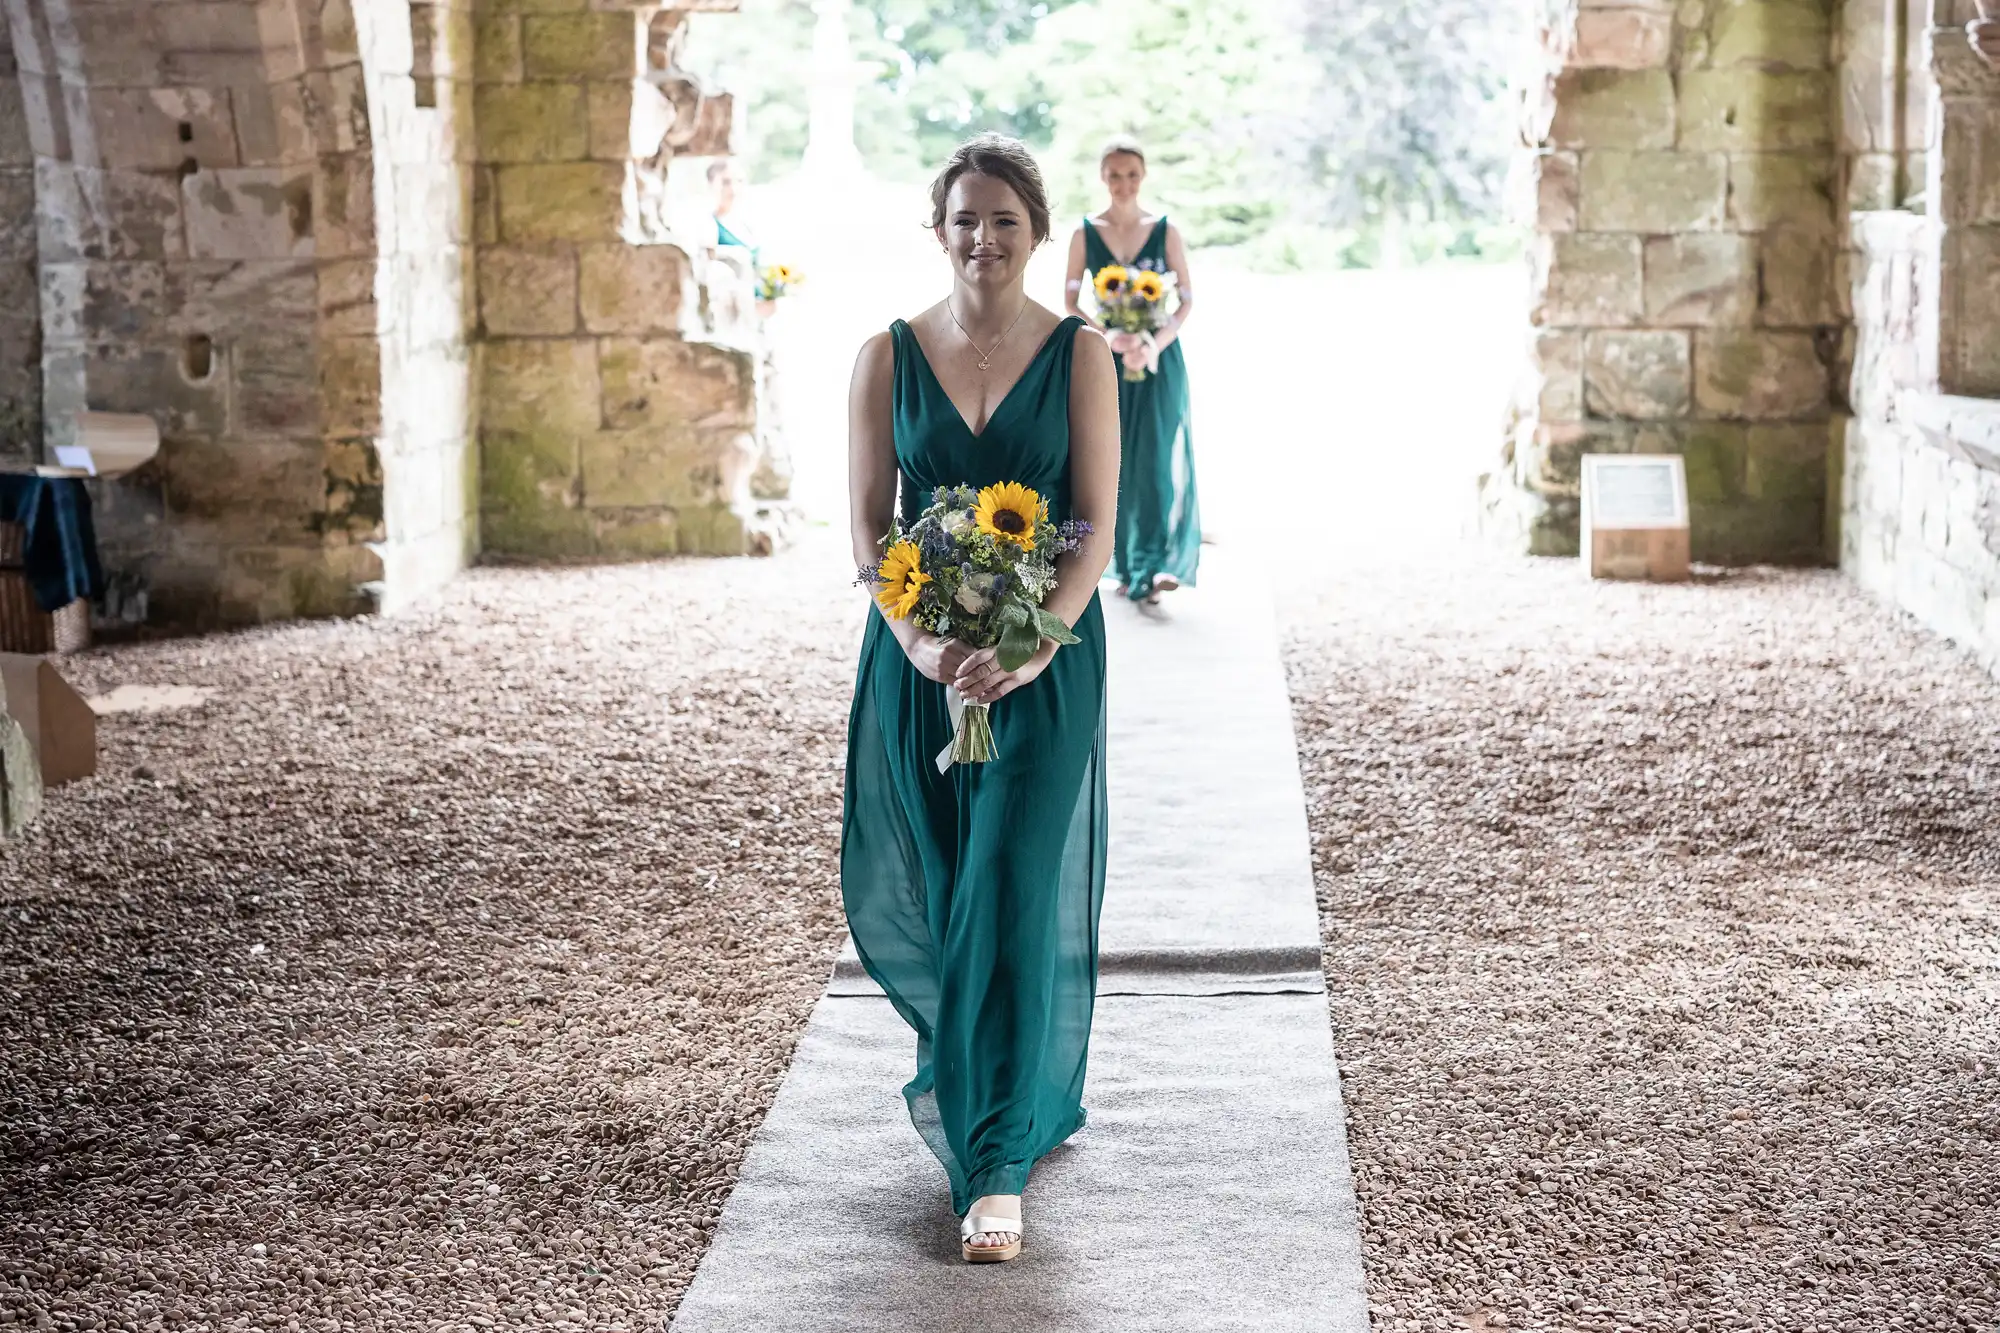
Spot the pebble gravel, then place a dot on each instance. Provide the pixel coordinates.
(1662, 927)
(433, 974)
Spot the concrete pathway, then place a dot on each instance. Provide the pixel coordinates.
(1211, 1189)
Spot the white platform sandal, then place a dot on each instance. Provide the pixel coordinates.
(976, 1222)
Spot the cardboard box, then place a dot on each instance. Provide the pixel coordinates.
(60, 726)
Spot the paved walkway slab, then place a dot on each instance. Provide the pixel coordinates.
(1211, 1188)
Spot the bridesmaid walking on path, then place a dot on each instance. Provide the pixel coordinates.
(1159, 520)
(974, 893)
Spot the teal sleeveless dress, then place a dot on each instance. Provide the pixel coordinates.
(974, 895)
(1159, 520)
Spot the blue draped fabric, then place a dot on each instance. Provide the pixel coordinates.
(60, 553)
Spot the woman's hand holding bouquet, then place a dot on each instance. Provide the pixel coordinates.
(973, 570)
(1132, 305)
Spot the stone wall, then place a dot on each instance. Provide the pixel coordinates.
(1885, 87)
(204, 204)
(20, 299)
(419, 310)
(1683, 183)
(1921, 490)
(269, 224)
(618, 409)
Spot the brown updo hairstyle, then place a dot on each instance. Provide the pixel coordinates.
(1005, 160)
(1117, 144)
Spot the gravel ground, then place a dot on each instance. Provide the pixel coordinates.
(1663, 930)
(436, 972)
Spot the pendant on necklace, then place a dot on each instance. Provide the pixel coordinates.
(982, 365)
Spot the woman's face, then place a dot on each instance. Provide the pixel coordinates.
(1123, 174)
(723, 188)
(986, 231)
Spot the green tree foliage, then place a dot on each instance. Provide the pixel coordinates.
(1406, 119)
(954, 66)
(1278, 121)
(1203, 84)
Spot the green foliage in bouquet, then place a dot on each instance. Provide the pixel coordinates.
(976, 566)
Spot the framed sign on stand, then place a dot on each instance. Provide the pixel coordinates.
(1635, 517)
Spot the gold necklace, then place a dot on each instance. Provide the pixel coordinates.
(986, 357)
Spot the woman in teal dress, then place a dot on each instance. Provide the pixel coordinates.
(974, 893)
(1159, 520)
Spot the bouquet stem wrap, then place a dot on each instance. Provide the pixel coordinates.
(971, 732)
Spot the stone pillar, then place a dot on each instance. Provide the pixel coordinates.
(1962, 338)
(616, 417)
(1686, 297)
(830, 151)
(20, 287)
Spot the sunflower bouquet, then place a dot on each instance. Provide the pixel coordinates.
(774, 280)
(976, 566)
(1132, 298)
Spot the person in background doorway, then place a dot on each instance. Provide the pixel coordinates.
(725, 184)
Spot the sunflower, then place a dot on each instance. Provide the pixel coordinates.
(1111, 280)
(902, 578)
(1009, 511)
(1149, 286)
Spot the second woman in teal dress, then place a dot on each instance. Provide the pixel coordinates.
(1159, 517)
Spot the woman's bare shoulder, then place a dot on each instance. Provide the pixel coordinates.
(876, 349)
(1089, 347)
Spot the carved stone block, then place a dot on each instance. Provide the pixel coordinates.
(527, 290)
(541, 384)
(669, 382)
(1638, 375)
(1759, 374)
(531, 122)
(591, 45)
(558, 201)
(1653, 192)
(1603, 108)
(1588, 279)
(1747, 110)
(1766, 189)
(1700, 280)
(1621, 39)
(635, 289)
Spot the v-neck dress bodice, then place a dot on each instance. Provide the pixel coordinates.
(1159, 514)
(974, 894)
(1025, 439)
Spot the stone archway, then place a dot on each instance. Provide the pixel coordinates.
(398, 281)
